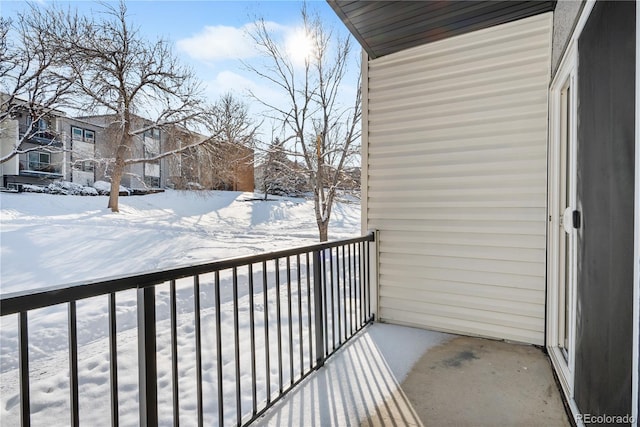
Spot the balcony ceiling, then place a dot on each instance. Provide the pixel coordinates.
(384, 27)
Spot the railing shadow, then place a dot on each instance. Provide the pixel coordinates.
(356, 386)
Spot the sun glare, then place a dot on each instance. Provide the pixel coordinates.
(300, 46)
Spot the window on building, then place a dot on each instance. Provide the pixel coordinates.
(77, 133)
(39, 161)
(152, 169)
(151, 147)
(86, 166)
(152, 134)
(152, 181)
(39, 124)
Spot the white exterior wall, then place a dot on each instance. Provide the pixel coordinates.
(455, 158)
(82, 150)
(8, 140)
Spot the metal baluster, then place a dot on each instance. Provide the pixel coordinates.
(367, 304)
(368, 280)
(290, 321)
(252, 326)
(351, 320)
(309, 311)
(147, 369)
(219, 349)
(279, 324)
(338, 295)
(333, 314)
(319, 322)
(113, 360)
(174, 353)
(344, 290)
(73, 364)
(198, 332)
(23, 354)
(359, 262)
(355, 291)
(236, 335)
(361, 281)
(300, 343)
(266, 329)
(325, 331)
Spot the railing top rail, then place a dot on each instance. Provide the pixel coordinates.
(44, 297)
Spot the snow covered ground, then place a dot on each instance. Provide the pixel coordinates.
(47, 240)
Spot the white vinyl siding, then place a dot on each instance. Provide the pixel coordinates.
(456, 164)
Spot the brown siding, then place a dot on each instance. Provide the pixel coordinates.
(242, 164)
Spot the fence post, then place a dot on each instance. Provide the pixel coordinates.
(373, 279)
(147, 369)
(317, 296)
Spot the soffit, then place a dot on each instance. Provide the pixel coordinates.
(384, 27)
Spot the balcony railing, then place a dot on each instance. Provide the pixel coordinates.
(293, 308)
(40, 136)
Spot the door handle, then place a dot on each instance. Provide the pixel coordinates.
(576, 219)
(571, 219)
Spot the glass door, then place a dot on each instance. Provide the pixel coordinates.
(563, 220)
(565, 223)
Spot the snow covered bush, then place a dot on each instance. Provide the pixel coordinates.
(194, 186)
(61, 187)
(28, 188)
(70, 189)
(104, 188)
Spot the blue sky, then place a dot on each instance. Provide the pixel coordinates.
(210, 37)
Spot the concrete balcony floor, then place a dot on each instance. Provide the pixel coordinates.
(397, 376)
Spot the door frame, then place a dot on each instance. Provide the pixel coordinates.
(635, 383)
(565, 76)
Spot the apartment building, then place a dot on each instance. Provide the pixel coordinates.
(77, 149)
(40, 157)
(81, 138)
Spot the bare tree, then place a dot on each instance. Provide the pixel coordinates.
(230, 120)
(31, 83)
(316, 127)
(235, 136)
(121, 75)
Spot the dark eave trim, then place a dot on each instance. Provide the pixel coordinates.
(386, 27)
(352, 29)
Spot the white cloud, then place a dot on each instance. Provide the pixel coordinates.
(230, 81)
(221, 42)
(218, 42)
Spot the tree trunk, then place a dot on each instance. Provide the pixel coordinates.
(116, 178)
(118, 167)
(323, 228)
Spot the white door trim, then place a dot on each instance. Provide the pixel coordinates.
(565, 77)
